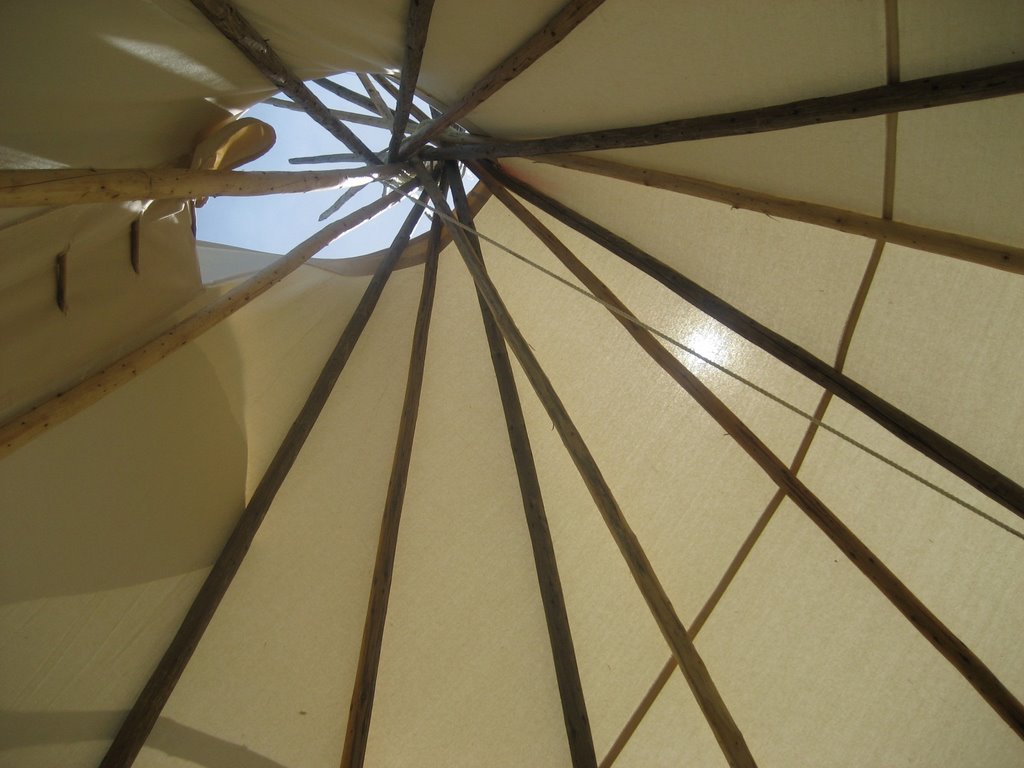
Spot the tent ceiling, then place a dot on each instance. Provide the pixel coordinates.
(113, 517)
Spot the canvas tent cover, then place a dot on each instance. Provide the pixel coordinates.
(111, 520)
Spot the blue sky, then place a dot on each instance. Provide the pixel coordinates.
(276, 223)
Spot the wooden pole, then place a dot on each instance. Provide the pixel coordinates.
(351, 117)
(67, 403)
(694, 629)
(574, 706)
(933, 445)
(334, 207)
(414, 111)
(346, 93)
(68, 186)
(989, 254)
(941, 90)
(257, 50)
(361, 707)
(726, 732)
(144, 713)
(333, 157)
(944, 641)
(416, 28)
(379, 105)
(543, 40)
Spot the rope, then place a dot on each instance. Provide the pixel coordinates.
(732, 374)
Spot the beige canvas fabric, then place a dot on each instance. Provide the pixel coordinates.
(112, 519)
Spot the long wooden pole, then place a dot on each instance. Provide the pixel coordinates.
(236, 28)
(941, 90)
(710, 701)
(68, 186)
(361, 707)
(379, 105)
(570, 689)
(414, 111)
(67, 403)
(417, 24)
(989, 254)
(346, 93)
(337, 205)
(543, 40)
(334, 157)
(945, 642)
(933, 445)
(144, 713)
(373, 121)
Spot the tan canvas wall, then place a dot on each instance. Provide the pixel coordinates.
(112, 518)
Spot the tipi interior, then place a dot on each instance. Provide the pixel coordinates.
(691, 436)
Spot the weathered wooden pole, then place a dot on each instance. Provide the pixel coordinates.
(570, 689)
(365, 685)
(996, 255)
(729, 737)
(936, 91)
(69, 186)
